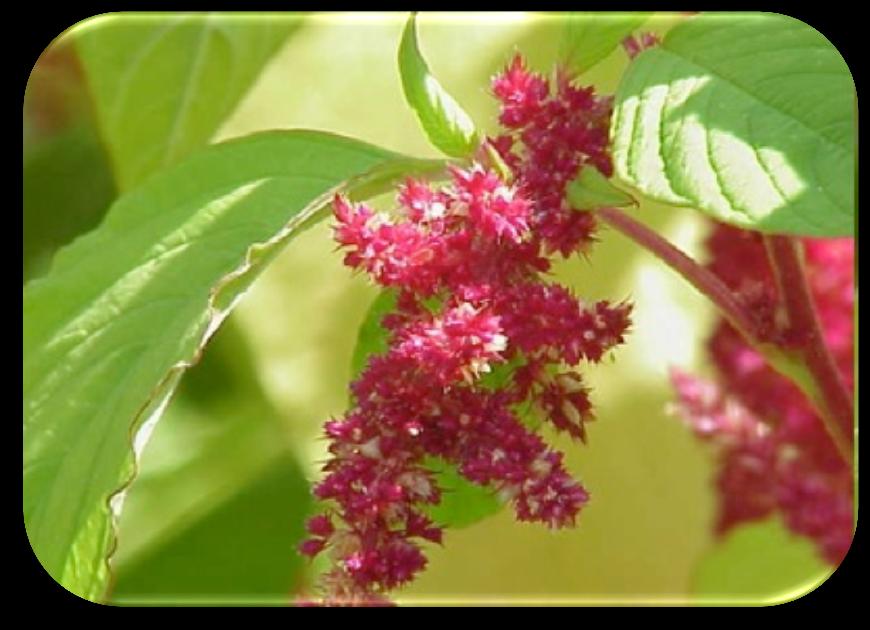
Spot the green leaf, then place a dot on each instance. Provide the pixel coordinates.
(445, 123)
(68, 182)
(748, 117)
(591, 190)
(162, 84)
(243, 551)
(760, 564)
(372, 338)
(67, 188)
(129, 306)
(591, 36)
(463, 503)
(202, 493)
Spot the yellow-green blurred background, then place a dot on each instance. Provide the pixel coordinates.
(223, 484)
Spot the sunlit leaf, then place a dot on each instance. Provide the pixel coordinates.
(220, 440)
(129, 306)
(749, 118)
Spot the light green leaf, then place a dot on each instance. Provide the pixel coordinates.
(445, 123)
(760, 564)
(162, 84)
(591, 190)
(462, 503)
(129, 306)
(748, 117)
(591, 36)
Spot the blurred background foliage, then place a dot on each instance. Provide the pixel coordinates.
(223, 486)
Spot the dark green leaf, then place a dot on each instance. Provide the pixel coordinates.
(372, 339)
(67, 188)
(462, 502)
(241, 552)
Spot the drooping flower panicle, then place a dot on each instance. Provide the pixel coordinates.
(466, 263)
(775, 456)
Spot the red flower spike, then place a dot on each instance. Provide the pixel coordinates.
(467, 260)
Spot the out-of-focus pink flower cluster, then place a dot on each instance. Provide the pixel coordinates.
(466, 263)
(775, 456)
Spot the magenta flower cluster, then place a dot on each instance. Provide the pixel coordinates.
(550, 134)
(774, 455)
(467, 263)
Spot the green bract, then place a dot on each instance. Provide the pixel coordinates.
(591, 190)
(748, 117)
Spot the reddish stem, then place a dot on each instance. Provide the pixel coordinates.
(701, 278)
(827, 392)
(786, 256)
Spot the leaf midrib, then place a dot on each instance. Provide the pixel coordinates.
(186, 95)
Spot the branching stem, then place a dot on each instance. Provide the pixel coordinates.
(809, 363)
(832, 397)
